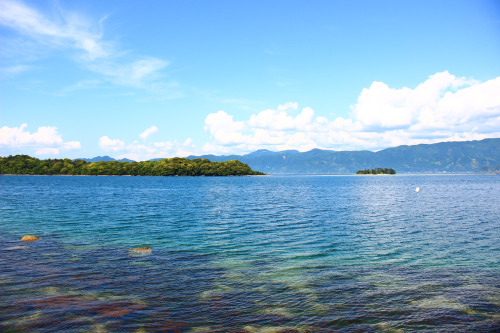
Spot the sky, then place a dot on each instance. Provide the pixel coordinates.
(142, 80)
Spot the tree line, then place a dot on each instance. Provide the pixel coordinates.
(26, 165)
(377, 171)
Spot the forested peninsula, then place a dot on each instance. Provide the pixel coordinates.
(26, 165)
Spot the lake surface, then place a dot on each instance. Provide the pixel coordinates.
(250, 254)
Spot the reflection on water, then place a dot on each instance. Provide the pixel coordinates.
(253, 254)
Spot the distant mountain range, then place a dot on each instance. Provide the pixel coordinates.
(450, 157)
(103, 159)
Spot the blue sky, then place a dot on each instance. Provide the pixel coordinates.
(174, 78)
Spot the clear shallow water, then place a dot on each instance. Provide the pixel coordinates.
(250, 254)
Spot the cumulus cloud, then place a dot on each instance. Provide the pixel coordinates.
(45, 141)
(275, 129)
(108, 144)
(138, 151)
(442, 108)
(151, 130)
(224, 129)
(164, 149)
(382, 107)
(64, 30)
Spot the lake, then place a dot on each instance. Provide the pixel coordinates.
(250, 254)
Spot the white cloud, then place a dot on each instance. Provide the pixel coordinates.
(167, 149)
(223, 129)
(71, 30)
(442, 108)
(275, 129)
(138, 151)
(108, 144)
(45, 141)
(14, 70)
(47, 151)
(384, 108)
(135, 73)
(151, 130)
(62, 30)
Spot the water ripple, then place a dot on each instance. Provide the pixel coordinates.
(251, 254)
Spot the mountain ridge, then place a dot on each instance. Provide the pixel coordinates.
(442, 157)
(104, 158)
(450, 157)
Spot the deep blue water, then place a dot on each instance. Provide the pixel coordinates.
(250, 254)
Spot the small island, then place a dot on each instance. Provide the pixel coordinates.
(26, 165)
(377, 171)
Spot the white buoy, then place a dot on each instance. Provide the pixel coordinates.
(417, 189)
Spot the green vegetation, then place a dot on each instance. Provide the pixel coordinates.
(26, 165)
(377, 171)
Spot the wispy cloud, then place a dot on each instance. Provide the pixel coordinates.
(137, 73)
(69, 31)
(151, 130)
(84, 84)
(14, 70)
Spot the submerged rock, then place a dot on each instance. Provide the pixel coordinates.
(29, 238)
(141, 250)
(66, 304)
